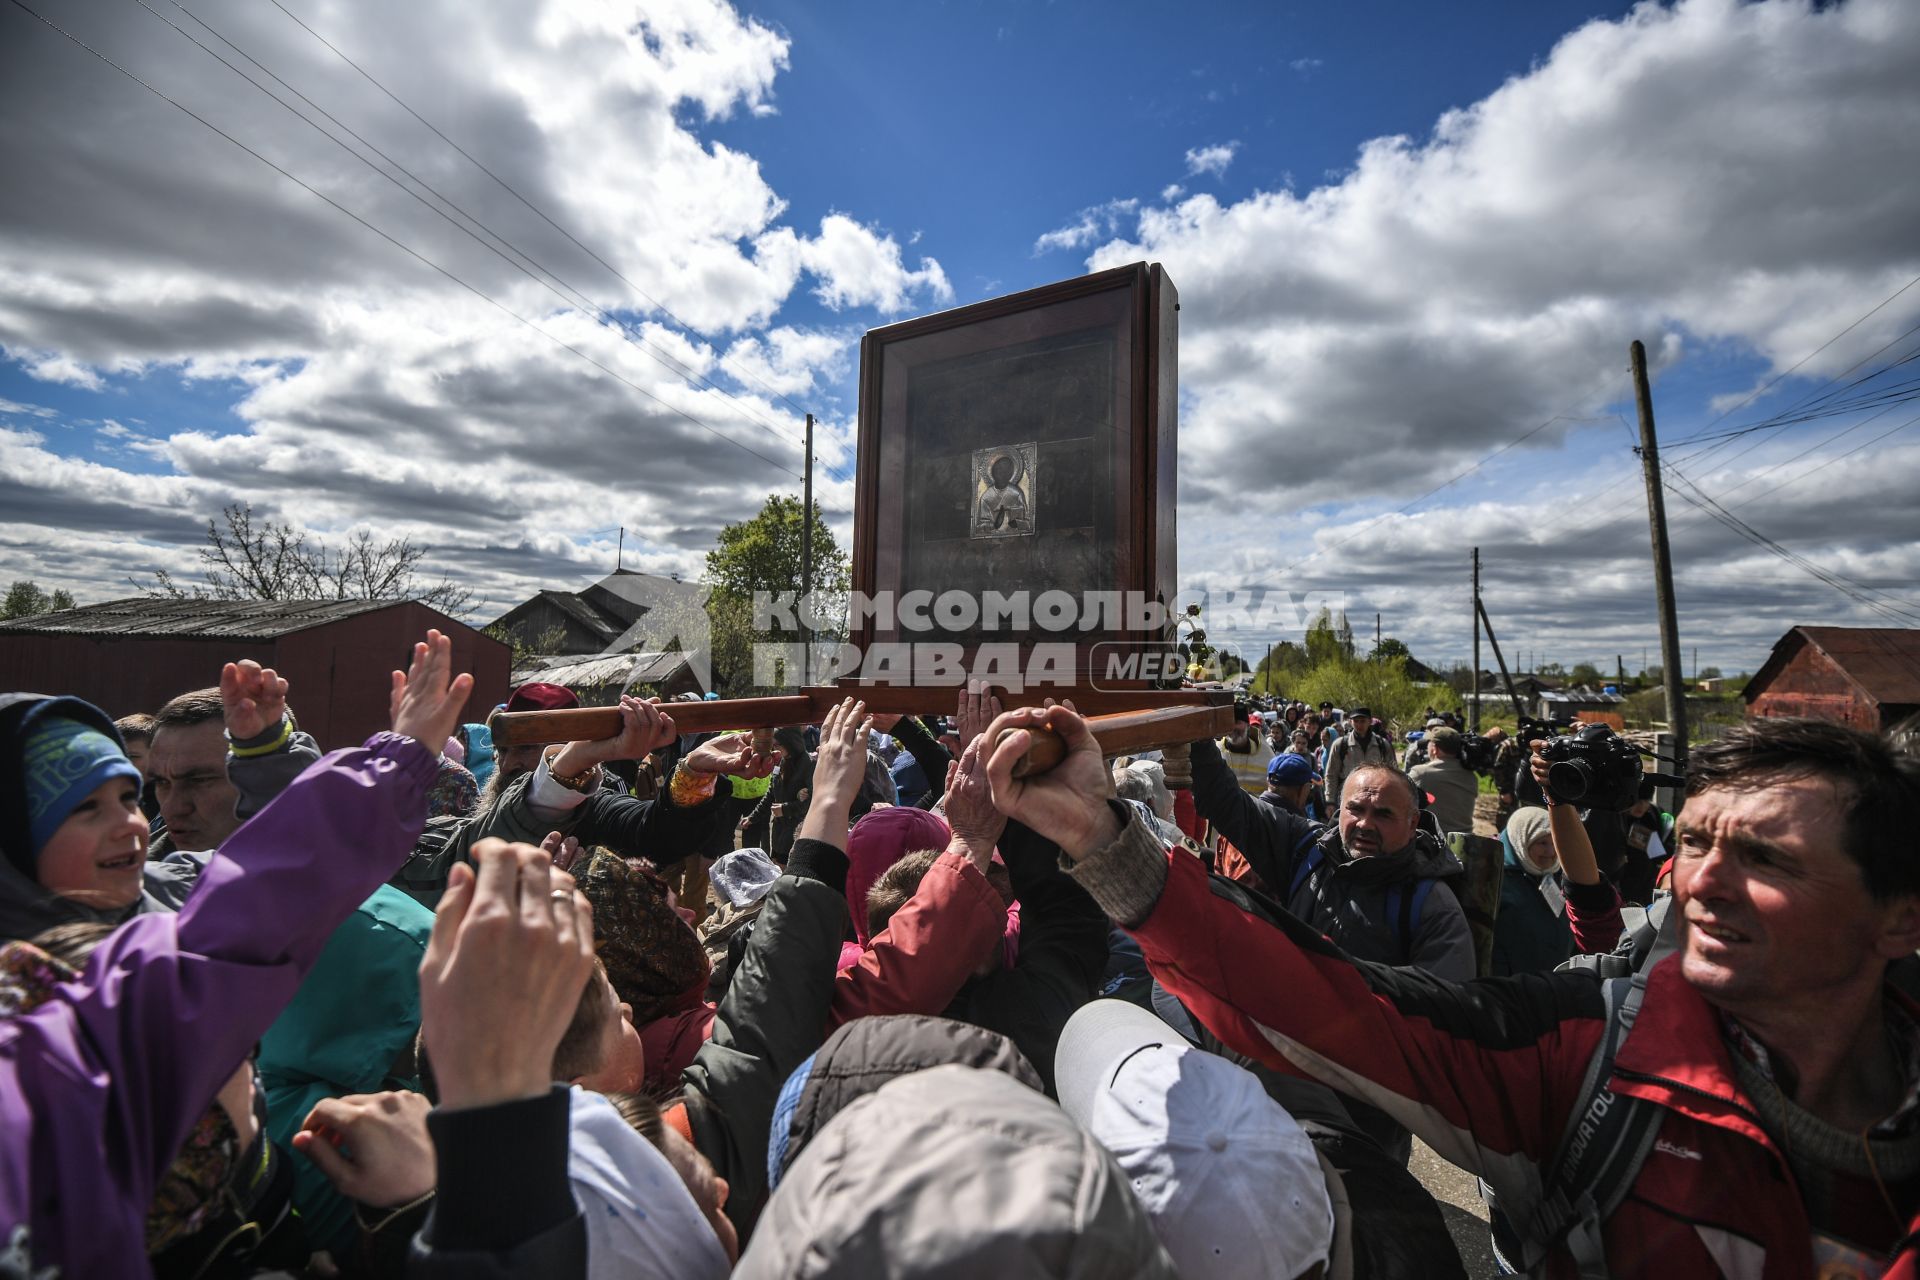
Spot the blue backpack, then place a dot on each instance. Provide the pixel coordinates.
(1404, 902)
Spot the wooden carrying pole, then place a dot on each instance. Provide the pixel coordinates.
(1119, 733)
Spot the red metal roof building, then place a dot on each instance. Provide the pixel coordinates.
(132, 655)
(1868, 677)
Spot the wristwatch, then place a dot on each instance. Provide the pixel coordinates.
(577, 781)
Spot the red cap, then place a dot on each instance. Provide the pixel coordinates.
(539, 696)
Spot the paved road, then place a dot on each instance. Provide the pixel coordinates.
(1459, 1197)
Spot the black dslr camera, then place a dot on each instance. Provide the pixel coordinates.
(1478, 753)
(1593, 768)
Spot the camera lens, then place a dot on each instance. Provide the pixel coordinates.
(1569, 779)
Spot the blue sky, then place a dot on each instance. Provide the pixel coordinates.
(1363, 319)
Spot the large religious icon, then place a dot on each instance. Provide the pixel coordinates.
(1003, 477)
(1025, 443)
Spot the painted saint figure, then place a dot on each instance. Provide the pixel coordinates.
(1002, 507)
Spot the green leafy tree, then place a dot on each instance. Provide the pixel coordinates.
(1384, 687)
(762, 554)
(1278, 667)
(1390, 648)
(26, 599)
(1585, 673)
(1323, 641)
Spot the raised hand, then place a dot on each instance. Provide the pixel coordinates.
(1068, 803)
(373, 1147)
(1539, 766)
(978, 708)
(511, 949)
(969, 806)
(730, 753)
(839, 767)
(252, 699)
(426, 699)
(564, 850)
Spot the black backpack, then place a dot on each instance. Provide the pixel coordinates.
(1608, 1136)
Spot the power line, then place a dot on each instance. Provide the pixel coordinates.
(1890, 607)
(405, 248)
(1774, 381)
(514, 192)
(1787, 417)
(578, 299)
(1830, 461)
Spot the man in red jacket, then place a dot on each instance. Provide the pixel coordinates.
(1777, 1046)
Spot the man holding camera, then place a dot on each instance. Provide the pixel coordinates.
(1775, 1054)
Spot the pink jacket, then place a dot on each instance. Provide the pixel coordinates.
(934, 942)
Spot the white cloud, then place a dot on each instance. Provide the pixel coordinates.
(1172, 191)
(1088, 225)
(1211, 159)
(374, 389)
(14, 407)
(63, 369)
(1374, 336)
(1445, 295)
(856, 266)
(1304, 65)
(788, 361)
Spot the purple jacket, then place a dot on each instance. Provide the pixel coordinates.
(100, 1086)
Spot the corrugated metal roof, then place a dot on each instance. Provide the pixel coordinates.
(1579, 695)
(1885, 661)
(583, 612)
(621, 669)
(215, 619)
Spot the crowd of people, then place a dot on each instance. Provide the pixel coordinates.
(879, 1003)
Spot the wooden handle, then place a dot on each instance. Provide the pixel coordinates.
(1119, 733)
(588, 724)
(1125, 732)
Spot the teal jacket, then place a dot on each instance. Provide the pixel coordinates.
(350, 1029)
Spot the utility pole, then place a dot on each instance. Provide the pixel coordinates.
(1376, 630)
(621, 552)
(1519, 711)
(806, 562)
(1473, 713)
(1269, 668)
(1671, 676)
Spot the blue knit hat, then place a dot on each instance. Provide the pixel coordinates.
(63, 761)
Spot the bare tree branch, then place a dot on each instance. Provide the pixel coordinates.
(274, 561)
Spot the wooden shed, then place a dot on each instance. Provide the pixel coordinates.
(1868, 677)
(132, 655)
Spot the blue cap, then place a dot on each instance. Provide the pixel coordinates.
(1289, 769)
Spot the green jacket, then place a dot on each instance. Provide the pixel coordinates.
(773, 1018)
(350, 1029)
